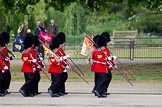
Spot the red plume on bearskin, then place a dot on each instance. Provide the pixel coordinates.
(46, 37)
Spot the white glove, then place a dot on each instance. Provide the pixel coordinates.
(61, 59)
(40, 58)
(12, 57)
(67, 56)
(34, 69)
(109, 58)
(65, 70)
(64, 57)
(110, 66)
(40, 54)
(33, 61)
(38, 66)
(114, 57)
(67, 66)
(3, 71)
(5, 67)
(7, 59)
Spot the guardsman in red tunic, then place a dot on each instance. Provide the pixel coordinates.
(55, 68)
(2, 91)
(110, 60)
(39, 65)
(2, 66)
(95, 38)
(28, 67)
(61, 53)
(99, 66)
(7, 75)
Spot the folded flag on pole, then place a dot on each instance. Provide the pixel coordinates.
(87, 45)
(45, 37)
(93, 35)
(46, 49)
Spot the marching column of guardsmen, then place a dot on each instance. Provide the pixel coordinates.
(102, 64)
(32, 65)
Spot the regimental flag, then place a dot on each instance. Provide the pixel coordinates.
(46, 37)
(18, 45)
(87, 45)
(88, 41)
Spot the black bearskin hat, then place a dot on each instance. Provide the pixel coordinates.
(102, 41)
(6, 37)
(95, 39)
(107, 35)
(2, 42)
(61, 37)
(55, 43)
(36, 41)
(28, 41)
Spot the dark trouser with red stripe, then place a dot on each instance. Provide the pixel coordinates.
(56, 81)
(109, 77)
(36, 81)
(7, 79)
(101, 82)
(64, 77)
(1, 83)
(95, 80)
(29, 83)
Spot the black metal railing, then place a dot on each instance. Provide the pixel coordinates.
(123, 48)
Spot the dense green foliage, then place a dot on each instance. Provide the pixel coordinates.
(150, 23)
(76, 17)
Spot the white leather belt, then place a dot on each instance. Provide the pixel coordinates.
(99, 62)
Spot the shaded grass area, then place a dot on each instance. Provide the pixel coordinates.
(141, 72)
(147, 72)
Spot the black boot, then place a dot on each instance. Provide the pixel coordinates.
(97, 93)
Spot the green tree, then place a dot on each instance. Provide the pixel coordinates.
(20, 5)
(58, 16)
(74, 19)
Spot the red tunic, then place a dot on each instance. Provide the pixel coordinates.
(99, 61)
(61, 53)
(27, 65)
(1, 62)
(5, 51)
(55, 66)
(39, 63)
(108, 54)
